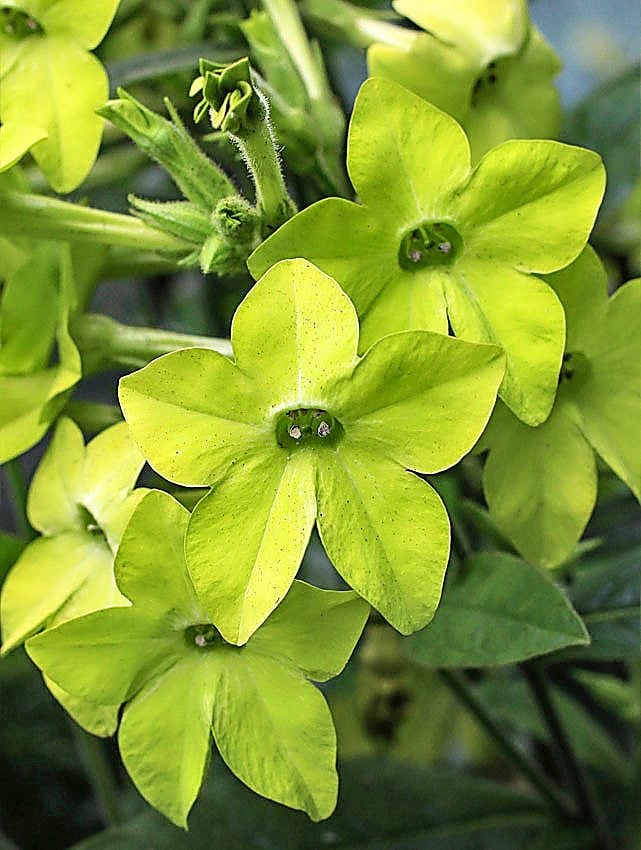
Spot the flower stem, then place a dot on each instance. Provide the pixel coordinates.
(579, 782)
(358, 26)
(104, 343)
(100, 775)
(22, 214)
(18, 490)
(93, 416)
(460, 688)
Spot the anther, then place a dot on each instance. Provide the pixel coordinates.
(323, 429)
(295, 432)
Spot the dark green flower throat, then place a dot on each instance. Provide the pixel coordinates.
(204, 636)
(433, 243)
(16, 22)
(307, 426)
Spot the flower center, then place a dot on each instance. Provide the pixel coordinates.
(487, 80)
(89, 522)
(204, 636)
(16, 22)
(307, 426)
(433, 243)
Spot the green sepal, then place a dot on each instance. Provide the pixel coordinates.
(180, 218)
(169, 144)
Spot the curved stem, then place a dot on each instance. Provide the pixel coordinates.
(588, 806)
(555, 799)
(100, 775)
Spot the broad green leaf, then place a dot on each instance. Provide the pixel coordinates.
(531, 203)
(274, 731)
(488, 302)
(100, 720)
(386, 532)
(292, 629)
(83, 23)
(609, 397)
(125, 652)
(500, 611)
(391, 125)
(420, 398)
(154, 537)
(53, 495)
(482, 28)
(273, 497)
(194, 414)
(73, 129)
(164, 736)
(294, 332)
(540, 483)
(62, 565)
(383, 804)
(16, 139)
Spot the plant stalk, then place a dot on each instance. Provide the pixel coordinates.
(18, 491)
(588, 806)
(100, 775)
(23, 214)
(92, 416)
(552, 796)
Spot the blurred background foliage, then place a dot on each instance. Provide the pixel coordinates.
(404, 734)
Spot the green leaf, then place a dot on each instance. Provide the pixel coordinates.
(482, 28)
(73, 129)
(193, 436)
(166, 750)
(391, 125)
(521, 314)
(292, 628)
(386, 532)
(63, 565)
(540, 483)
(500, 611)
(531, 203)
(275, 497)
(84, 24)
(275, 732)
(383, 804)
(419, 398)
(16, 140)
(294, 333)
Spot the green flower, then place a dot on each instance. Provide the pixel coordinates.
(34, 315)
(298, 429)
(228, 93)
(486, 65)
(541, 483)
(80, 500)
(181, 682)
(52, 85)
(434, 241)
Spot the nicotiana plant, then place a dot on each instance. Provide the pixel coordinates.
(425, 381)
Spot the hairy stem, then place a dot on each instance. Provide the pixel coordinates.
(460, 688)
